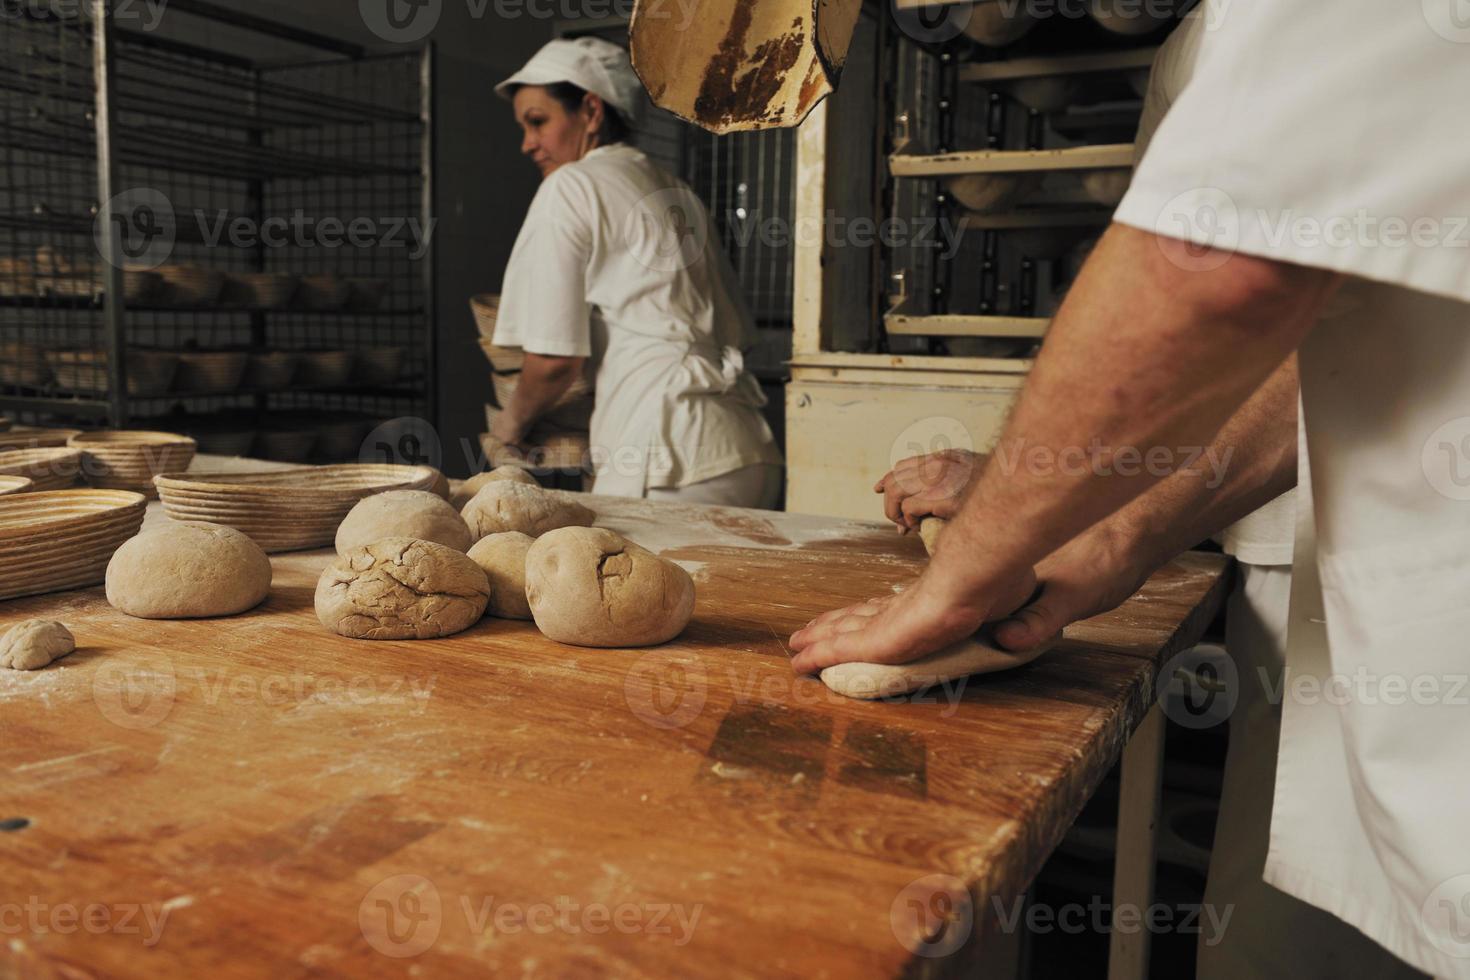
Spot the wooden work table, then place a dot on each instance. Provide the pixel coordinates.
(269, 799)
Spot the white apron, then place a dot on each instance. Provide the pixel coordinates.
(1372, 808)
(671, 383)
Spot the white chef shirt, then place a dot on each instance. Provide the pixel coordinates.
(1265, 536)
(1332, 134)
(617, 262)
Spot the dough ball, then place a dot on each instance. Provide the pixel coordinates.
(440, 488)
(34, 643)
(506, 506)
(401, 589)
(977, 655)
(472, 486)
(502, 557)
(403, 514)
(188, 570)
(593, 588)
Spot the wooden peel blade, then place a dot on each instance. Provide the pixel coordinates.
(742, 65)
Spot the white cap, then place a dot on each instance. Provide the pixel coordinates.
(589, 63)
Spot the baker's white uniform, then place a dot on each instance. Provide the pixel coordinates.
(1271, 934)
(617, 262)
(1320, 133)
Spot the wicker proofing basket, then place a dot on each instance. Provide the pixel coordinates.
(485, 307)
(129, 459)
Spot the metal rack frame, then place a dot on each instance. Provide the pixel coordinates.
(90, 110)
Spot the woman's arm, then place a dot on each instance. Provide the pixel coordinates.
(544, 379)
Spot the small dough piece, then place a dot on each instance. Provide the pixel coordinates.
(976, 655)
(34, 643)
(440, 488)
(401, 589)
(188, 570)
(929, 531)
(506, 506)
(502, 557)
(590, 587)
(472, 486)
(403, 514)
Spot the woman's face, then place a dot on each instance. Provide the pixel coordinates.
(553, 136)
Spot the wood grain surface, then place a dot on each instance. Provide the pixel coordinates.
(254, 796)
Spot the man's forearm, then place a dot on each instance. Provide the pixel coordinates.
(1251, 462)
(543, 381)
(1146, 356)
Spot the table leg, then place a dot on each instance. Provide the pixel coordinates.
(1138, 821)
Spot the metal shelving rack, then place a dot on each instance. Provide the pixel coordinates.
(191, 141)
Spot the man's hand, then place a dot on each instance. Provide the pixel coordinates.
(931, 485)
(895, 629)
(506, 429)
(1092, 574)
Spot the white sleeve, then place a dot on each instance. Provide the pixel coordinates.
(1328, 133)
(543, 301)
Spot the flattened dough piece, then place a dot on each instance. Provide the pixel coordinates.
(502, 557)
(401, 589)
(591, 587)
(505, 506)
(976, 655)
(478, 482)
(34, 643)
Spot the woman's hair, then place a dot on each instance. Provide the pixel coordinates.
(614, 128)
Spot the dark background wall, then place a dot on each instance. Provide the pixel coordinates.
(484, 185)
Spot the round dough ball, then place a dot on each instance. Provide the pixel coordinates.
(472, 486)
(505, 506)
(401, 589)
(502, 557)
(593, 588)
(33, 644)
(403, 514)
(188, 570)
